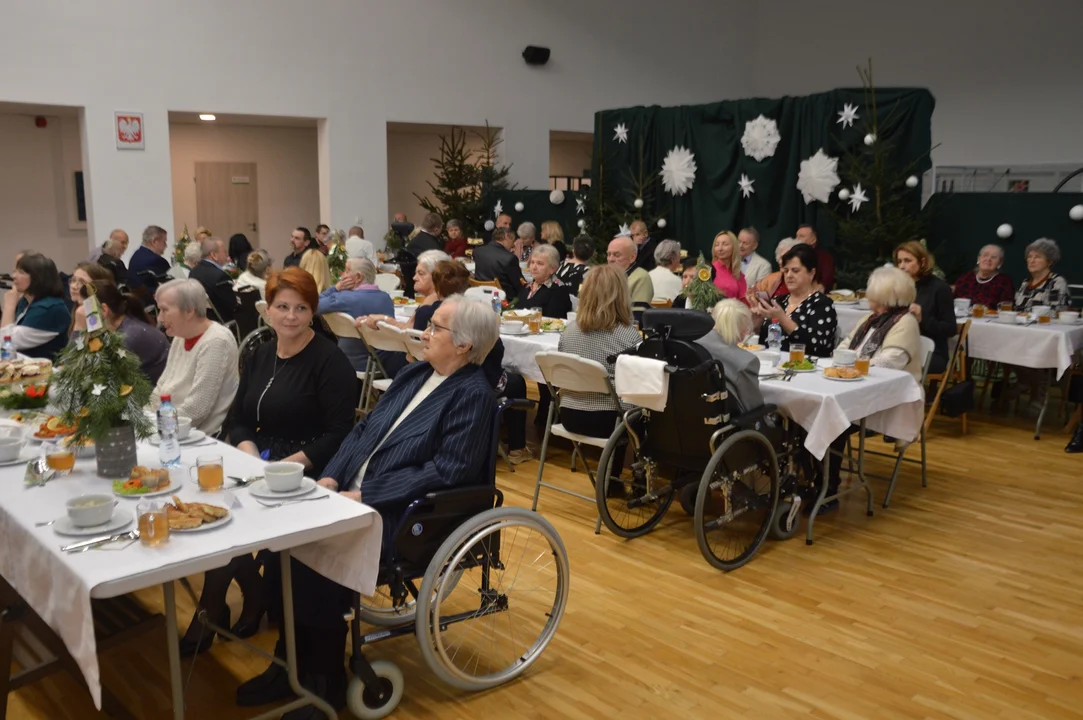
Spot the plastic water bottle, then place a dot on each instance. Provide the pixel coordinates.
(496, 303)
(774, 336)
(7, 350)
(168, 445)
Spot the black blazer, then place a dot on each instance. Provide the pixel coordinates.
(219, 287)
(115, 266)
(645, 254)
(494, 262)
(424, 241)
(553, 300)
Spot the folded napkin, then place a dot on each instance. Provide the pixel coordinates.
(642, 382)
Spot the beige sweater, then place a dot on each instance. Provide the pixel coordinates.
(901, 349)
(202, 381)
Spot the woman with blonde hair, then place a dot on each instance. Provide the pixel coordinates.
(553, 234)
(889, 335)
(602, 327)
(726, 260)
(934, 305)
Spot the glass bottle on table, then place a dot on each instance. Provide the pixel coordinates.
(168, 444)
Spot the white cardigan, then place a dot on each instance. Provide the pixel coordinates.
(202, 381)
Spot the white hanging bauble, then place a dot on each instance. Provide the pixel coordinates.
(844, 194)
(661, 222)
(489, 225)
(1076, 213)
(870, 139)
(519, 207)
(912, 181)
(1004, 231)
(638, 203)
(556, 197)
(582, 223)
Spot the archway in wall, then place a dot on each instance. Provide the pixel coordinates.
(569, 159)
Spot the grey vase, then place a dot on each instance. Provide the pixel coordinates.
(116, 453)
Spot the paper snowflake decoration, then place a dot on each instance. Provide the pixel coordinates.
(857, 197)
(624, 231)
(498, 208)
(761, 138)
(847, 115)
(746, 185)
(580, 206)
(620, 133)
(97, 391)
(678, 171)
(818, 178)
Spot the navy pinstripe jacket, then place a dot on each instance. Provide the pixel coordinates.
(442, 444)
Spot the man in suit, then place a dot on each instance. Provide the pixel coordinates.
(212, 276)
(496, 261)
(147, 265)
(427, 239)
(645, 245)
(428, 432)
(754, 266)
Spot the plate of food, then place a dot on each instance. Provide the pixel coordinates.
(403, 301)
(804, 366)
(190, 517)
(144, 482)
(24, 371)
(52, 429)
(843, 297)
(843, 374)
(552, 325)
(751, 347)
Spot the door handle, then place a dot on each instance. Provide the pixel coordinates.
(252, 227)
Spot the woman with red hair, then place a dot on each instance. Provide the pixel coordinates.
(292, 404)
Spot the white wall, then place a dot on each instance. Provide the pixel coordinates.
(378, 61)
(409, 168)
(286, 169)
(37, 190)
(1007, 75)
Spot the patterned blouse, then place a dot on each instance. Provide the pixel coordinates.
(597, 345)
(1052, 292)
(816, 325)
(989, 293)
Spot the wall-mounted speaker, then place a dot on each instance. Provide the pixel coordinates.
(536, 55)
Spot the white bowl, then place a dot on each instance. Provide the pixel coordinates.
(962, 305)
(1039, 310)
(1007, 317)
(283, 476)
(1068, 317)
(843, 357)
(769, 356)
(91, 510)
(10, 447)
(513, 326)
(407, 310)
(396, 293)
(184, 426)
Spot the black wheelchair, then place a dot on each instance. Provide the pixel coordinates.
(457, 556)
(741, 477)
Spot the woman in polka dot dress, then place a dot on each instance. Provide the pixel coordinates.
(806, 315)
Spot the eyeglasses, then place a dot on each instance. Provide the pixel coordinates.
(433, 326)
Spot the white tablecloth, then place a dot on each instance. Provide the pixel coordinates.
(337, 537)
(890, 401)
(1032, 346)
(519, 351)
(849, 316)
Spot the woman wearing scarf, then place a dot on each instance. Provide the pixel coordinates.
(889, 336)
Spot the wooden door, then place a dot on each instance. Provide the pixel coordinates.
(227, 199)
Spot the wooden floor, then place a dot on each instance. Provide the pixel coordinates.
(963, 600)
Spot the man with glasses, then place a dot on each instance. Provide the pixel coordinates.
(148, 267)
(645, 245)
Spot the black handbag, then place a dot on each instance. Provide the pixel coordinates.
(958, 399)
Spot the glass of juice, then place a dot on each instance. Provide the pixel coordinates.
(58, 457)
(861, 364)
(1045, 319)
(797, 353)
(535, 322)
(209, 472)
(978, 311)
(1006, 306)
(153, 523)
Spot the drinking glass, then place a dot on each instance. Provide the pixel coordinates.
(862, 364)
(797, 352)
(153, 523)
(534, 320)
(978, 311)
(1045, 319)
(58, 457)
(1006, 306)
(209, 472)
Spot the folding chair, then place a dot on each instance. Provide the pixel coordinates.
(661, 303)
(956, 370)
(565, 371)
(231, 325)
(387, 281)
(389, 339)
(342, 325)
(261, 308)
(486, 293)
(484, 283)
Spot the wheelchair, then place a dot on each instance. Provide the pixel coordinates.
(482, 586)
(741, 477)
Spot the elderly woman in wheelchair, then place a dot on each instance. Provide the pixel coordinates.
(424, 459)
(716, 445)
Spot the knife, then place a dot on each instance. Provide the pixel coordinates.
(96, 541)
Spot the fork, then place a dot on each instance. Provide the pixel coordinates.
(291, 502)
(45, 523)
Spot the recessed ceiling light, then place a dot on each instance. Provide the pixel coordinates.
(206, 117)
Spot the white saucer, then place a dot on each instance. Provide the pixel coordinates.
(205, 526)
(259, 489)
(168, 490)
(1058, 321)
(194, 436)
(838, 379)
(121, 519)
(24, 457)
(846, 302)
(523, 331)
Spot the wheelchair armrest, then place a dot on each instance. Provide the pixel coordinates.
(752, 417)
(473, 495)
(515, 404)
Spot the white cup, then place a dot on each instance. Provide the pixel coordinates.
(962, 306)
(843, 358)
(396, 293)
(1039, 310)
(184, 426)
(90, 510)
(769, 356)
(10, 447)
(1069, 317)
(283, 476)
(1007, 317)
(512, 326)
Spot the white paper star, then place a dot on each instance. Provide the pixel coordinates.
(848, 115)
(97, 390)
(580, 206)
(121, 354)
(79, 344)
(746, 185)
(620, 133)
(624, 231)
(498, 208)
(857, 197)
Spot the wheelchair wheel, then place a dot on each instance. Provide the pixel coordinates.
(736, 500)
(630, 506)
(371, 704)
(687, 498)
(783, 527)
(506, 604)
(380, 609)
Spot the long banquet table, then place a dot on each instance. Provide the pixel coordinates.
(337, 537)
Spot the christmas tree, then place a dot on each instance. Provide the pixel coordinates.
(336, 255)
(98, 384)
(179, 245)
(468, 182)
(701, 293)
(882, 206)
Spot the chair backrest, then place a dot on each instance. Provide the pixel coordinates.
(261, 308)
(387, 281)
(927, 349)
(661, 303)
(484, 283)
(251, 342)
(342, 325)
(247, 316)
(485, 292)
(384, 337)
(1075, 296)
(414, 345)
(565, 371)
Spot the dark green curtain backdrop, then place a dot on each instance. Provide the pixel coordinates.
(537, 209)
(713, 133)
